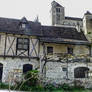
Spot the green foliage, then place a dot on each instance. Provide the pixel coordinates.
(66, 87)
(26, 88)
(89, 32)
(4, 86)
(50, 87)
(32, 77)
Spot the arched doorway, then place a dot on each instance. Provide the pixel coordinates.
(1, 71)
(27, 67)
(80, 72)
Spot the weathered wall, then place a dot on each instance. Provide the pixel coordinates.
(62, 48)
(10, 66)
(11, 42)
(72, 23)
(55, 73)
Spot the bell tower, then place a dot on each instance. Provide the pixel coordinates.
(57, 13)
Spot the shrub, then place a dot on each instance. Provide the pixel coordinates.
(31, 77)
(4, 86)
(49, 87)
(66, 87)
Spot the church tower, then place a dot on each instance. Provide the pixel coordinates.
(57, 13)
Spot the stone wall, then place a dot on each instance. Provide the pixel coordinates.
(13, 68)
(56, 70)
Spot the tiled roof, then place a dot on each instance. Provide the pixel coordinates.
(13, 26)
(45, 33)
(88, 13)
(59, 34)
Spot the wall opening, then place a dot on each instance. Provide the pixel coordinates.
(27, 67)
(81, 72)
(1, 71)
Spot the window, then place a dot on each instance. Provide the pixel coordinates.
(58, 18)
(81, 72)
(70, 50)
(22, 43)
(58, 10)
(64, 69)
(27, 67)
(23, 25)
(49, 50)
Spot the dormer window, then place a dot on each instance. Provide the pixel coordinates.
(23, 26)
(23, 23)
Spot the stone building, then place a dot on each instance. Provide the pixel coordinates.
(61, 51)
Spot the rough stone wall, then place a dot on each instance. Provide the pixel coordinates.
(55, 69)
(55, 74)
(72, 23)
(11, 65)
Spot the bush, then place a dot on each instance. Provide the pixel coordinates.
(49, 87)
(4, 86)
(66, 87)
(31, 77)
(26, 88)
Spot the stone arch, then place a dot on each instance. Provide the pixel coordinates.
(27, 67)
(1, 71)
(80, 72)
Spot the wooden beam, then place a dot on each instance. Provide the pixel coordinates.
(11, 45)
(39, 48)
(22, 53)
(33, 47)
(5, 44)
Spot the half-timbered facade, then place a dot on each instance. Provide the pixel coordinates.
(27, 45)
(19, 47)
(58, 52)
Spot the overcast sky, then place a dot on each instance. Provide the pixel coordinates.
(31, 8)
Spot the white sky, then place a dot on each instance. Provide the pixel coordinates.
(31, 8)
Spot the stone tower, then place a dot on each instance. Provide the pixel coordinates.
(87, 25)
(57, 13)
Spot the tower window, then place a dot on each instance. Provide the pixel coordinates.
(58, 10)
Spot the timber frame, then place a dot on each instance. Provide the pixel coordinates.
(11, 50)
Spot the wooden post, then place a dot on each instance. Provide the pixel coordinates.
(9, 81)
(5, 45)
(39, 48)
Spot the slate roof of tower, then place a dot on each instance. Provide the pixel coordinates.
(56, 4)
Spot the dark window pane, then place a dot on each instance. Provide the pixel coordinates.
(64, 69)
(25, 46)
(27, 67)
(22, 43)
(58, 10)
(70, 50)
(49, 50)
(80, 72)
